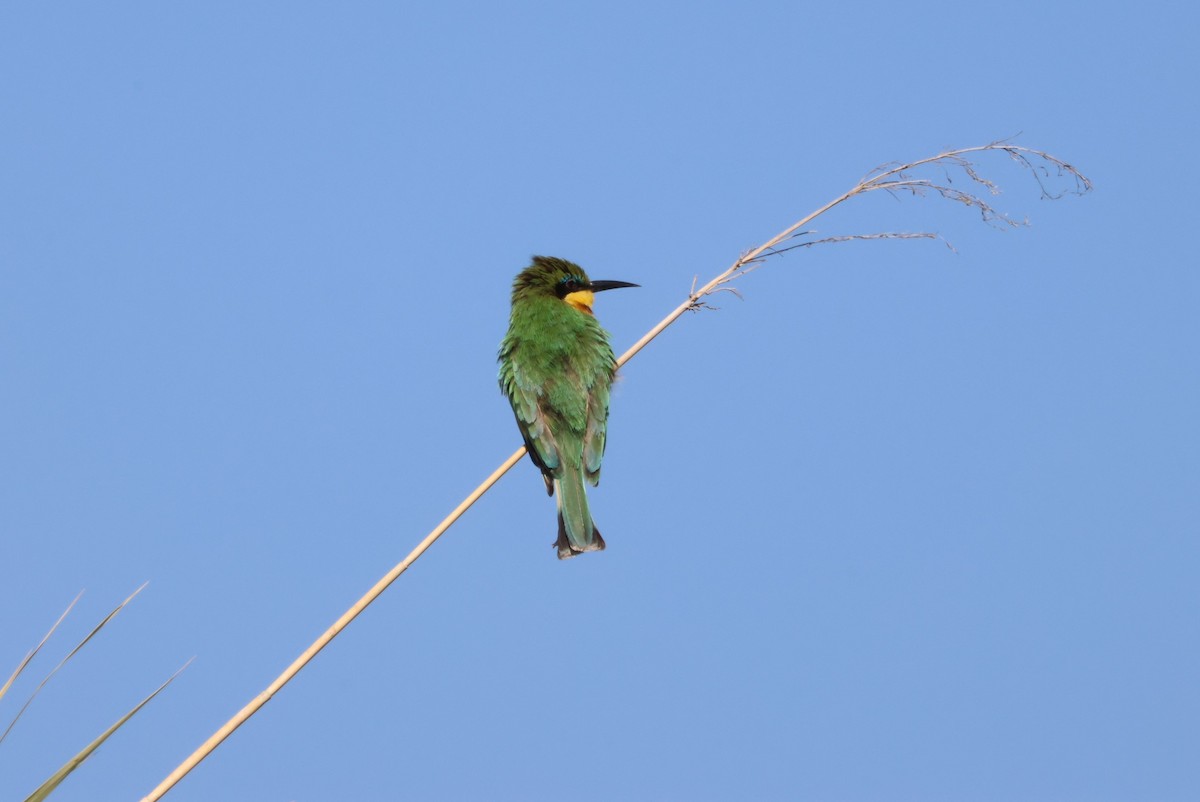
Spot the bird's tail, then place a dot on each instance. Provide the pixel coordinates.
(577, 532)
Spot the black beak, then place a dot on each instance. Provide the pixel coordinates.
(601, 286)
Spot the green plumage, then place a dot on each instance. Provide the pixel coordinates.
(557, 367)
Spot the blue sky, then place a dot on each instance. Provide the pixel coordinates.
(902, 524)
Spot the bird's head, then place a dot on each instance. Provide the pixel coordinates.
(550, 276)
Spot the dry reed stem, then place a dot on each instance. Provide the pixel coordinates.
(892, 178)
(252, 707)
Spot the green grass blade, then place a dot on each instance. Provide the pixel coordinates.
(46, 788)
(29, 657)
(63, 662)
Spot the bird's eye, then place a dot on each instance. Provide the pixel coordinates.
(570, 283)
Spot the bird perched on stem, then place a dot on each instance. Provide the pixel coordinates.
(556, 367)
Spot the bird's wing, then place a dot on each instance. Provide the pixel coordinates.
(597, 427)
(525, 396)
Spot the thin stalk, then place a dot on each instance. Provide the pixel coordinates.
(320, 643)
(711, 287)
(895, 178)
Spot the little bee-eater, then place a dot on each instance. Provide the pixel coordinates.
(556, 367)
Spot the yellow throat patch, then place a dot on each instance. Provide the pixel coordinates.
(581, 300)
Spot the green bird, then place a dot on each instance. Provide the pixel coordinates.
(556, 367)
